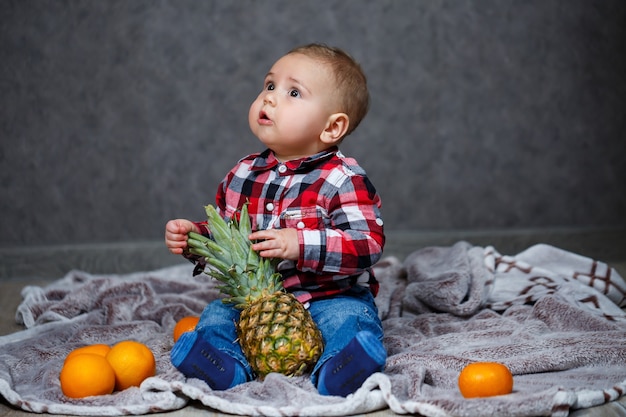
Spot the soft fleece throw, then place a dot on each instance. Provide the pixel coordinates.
(553, 317)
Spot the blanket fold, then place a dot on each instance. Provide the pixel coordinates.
(451, 279)
(553, 317)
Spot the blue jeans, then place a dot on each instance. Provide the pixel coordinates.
(339, 319)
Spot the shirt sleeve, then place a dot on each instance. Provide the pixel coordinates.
(353, 239)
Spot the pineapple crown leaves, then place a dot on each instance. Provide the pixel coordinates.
(244, 275)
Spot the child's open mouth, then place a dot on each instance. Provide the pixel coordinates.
(264, 118)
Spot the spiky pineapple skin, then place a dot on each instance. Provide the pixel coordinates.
(278, 334)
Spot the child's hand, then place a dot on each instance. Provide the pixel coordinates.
(277, 243)
(176, 234)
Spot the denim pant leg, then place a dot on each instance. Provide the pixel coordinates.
(340, 318)
(217, 326)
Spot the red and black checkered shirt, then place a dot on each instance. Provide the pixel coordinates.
(332, 204)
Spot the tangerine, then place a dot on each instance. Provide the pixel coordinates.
(98, 349)
(485, 379)
(86, 374)
(132, 362)
(186, 324)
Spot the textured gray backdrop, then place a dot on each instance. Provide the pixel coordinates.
(118, 115)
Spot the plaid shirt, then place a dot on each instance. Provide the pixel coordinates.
(331, 203)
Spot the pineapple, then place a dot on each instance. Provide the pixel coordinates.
(275, 331)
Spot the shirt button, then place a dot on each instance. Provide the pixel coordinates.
(282, 169)
(379, 221)
(300, 225)
(269, 206)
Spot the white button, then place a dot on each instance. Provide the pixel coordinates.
(269, 206)
(282, 169)
(379, 221)
(300, 225)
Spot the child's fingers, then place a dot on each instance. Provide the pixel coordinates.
(263, 235)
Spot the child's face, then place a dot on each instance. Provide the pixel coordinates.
(293, 109)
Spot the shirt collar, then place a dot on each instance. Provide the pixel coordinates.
(267, 160)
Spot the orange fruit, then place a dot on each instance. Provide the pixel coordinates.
(98, 349)
(86, 374)
(132, 362)
(186, 324)
(485, 379)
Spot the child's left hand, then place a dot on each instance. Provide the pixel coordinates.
(277, 243)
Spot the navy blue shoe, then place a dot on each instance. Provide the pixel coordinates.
(197, 358)
(345, 373)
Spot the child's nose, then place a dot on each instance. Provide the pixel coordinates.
(269, 98)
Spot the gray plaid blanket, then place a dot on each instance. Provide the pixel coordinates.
(553, 317)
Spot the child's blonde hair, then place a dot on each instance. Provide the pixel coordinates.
(350, 79)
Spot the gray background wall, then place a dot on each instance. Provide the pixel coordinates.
(489, 114)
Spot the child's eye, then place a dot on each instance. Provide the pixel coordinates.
(269, 86)
(294, 93)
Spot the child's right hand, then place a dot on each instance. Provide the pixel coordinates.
(176, 234)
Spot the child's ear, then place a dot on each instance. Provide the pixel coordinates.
(336, 128)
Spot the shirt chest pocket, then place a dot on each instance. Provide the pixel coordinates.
(304, 218)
